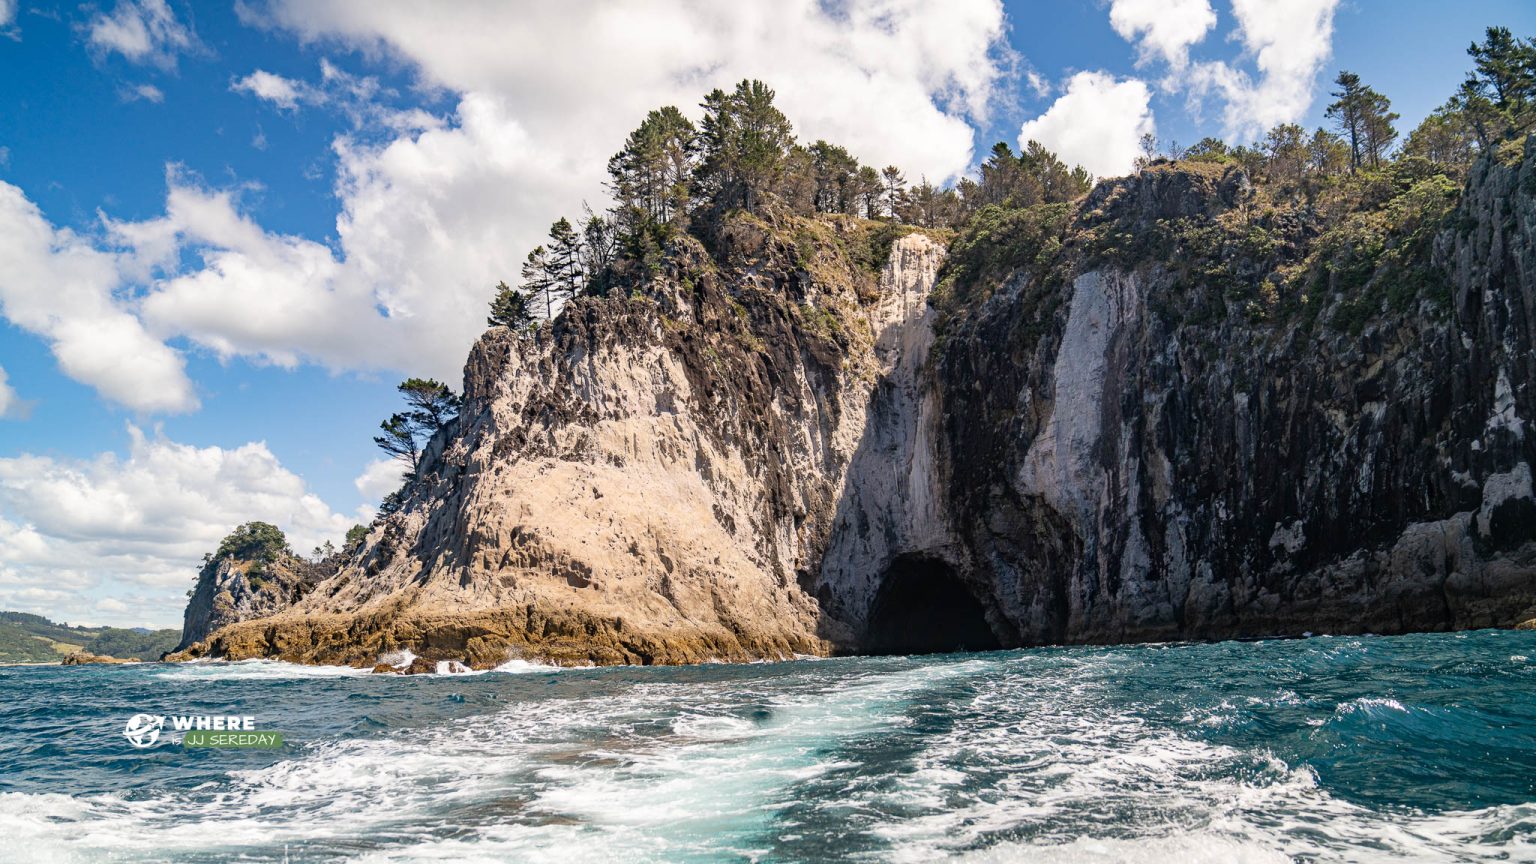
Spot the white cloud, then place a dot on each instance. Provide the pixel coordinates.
(142, 92)
(143, 31)
(58, 285)
(1288, 42)
(79, 537)
(7, 12)
(1163, 28)
(10, 403)
(381, 477)
(1097, 123)
(1038, 83)
(434, 211)
(280, 91)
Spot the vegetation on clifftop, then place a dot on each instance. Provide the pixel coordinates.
(1296, 225)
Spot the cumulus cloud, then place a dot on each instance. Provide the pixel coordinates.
(143, 31)
(891, 79)
(1288, 44)
(280, 91)
(61, 287)
(381, 477)
(1097, 123)
(132, 531)
(435, 210)
(1163, 28)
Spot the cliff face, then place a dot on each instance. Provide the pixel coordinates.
(653, 479)
(1128, 462)
(231, 589)
(1158, 413)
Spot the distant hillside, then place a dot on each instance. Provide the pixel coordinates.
(27, 638)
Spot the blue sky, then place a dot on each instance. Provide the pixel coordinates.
(226, 230)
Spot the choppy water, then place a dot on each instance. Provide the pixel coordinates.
(1417, 748)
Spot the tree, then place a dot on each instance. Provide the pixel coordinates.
(1003, 181)
(1364, 118)
(650, 176)
(930, 206)
(600, 248)
(565, 273)
(510, 308)
(1208, 150)
(1446, 138)
(1286, 149)
(401, 439)
(537, 280)
(259, 542)
(836, 177)
(1056, 182)
(430, 406)
(1327, 154)
(1499, 96)
(867, 187)
(894, 186)
(431, 402)
(746, 140)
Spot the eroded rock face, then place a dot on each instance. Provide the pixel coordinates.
(767, 450)
(655, 479)
(1122, 473)
(232, 590)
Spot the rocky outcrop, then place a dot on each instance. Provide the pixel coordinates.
(86, 658)
(232, 589)
(1171, 410)
(1127, 466)
(655, 478)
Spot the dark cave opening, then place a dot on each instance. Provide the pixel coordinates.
(922, 607)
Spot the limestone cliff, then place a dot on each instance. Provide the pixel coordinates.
(1173, 409)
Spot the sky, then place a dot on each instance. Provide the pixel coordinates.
(227, 230)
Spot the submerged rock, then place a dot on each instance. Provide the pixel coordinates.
(86, 658)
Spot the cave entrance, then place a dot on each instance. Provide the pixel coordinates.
(922, 607)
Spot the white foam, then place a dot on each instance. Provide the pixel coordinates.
(524, 667)
(1042, 760)
(1193, 848)
(205, 670)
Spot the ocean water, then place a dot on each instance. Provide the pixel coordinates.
(1413, 748)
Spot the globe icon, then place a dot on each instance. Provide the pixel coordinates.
(143, 730)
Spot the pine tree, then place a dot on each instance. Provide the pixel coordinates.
(746, 140)
(836, 174)
(1499, 96)
(509, 308)
(895, 185)
(867, 187)
(650, 176)
(537, 280)
(565, 273)
(1364, 118)
(1286, 150)
(430, 406)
